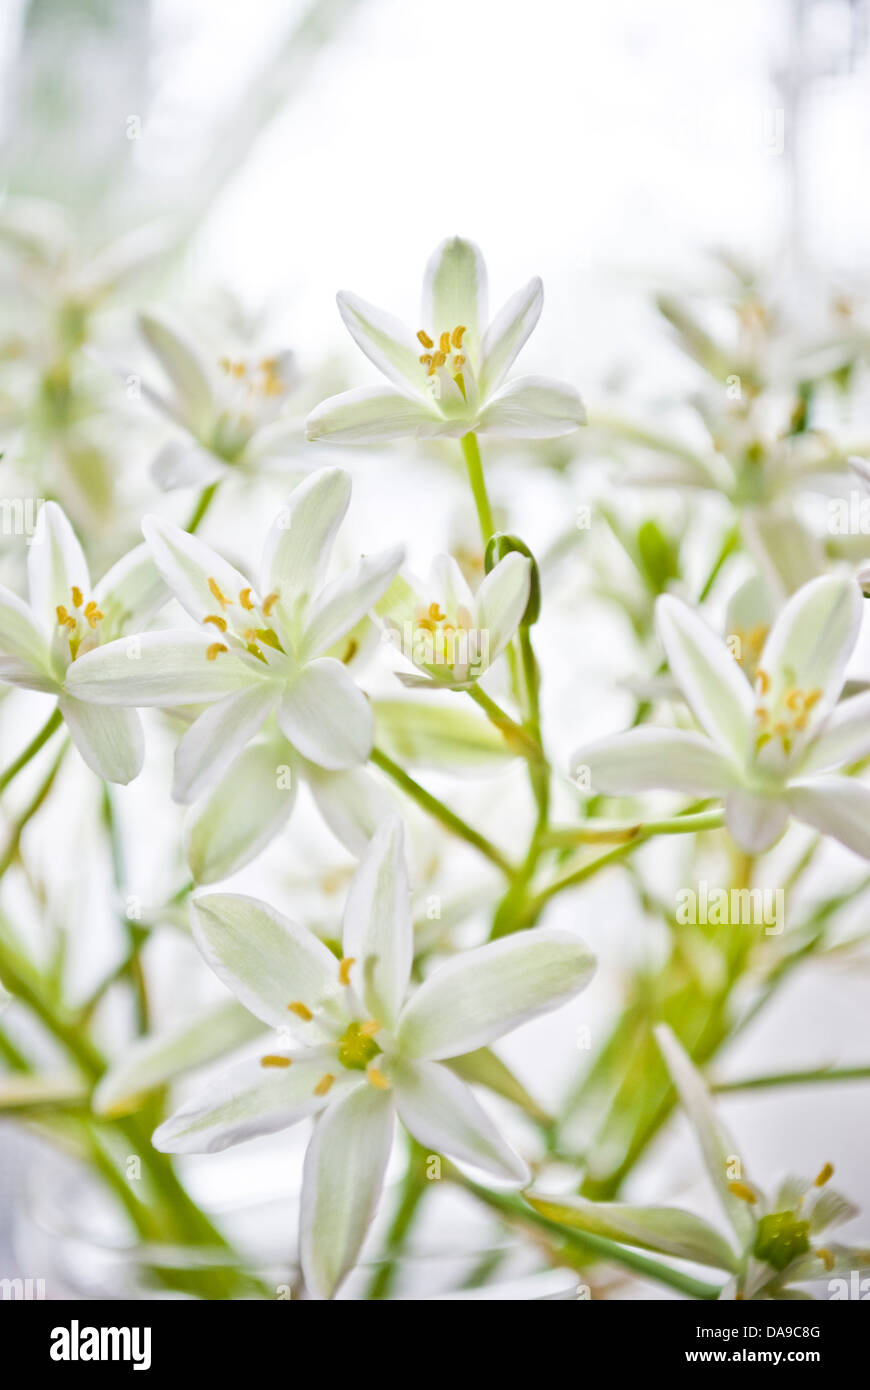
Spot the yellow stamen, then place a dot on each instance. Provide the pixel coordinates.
(377, 1079)
(301, 1011)
(762, 714)
(812, 699)
(269, 603)
(239, 369)
(444, 343)
(77, 596)
(214, 589)
(426, 359)
(424, 338)
(93, 614)
(824, 1176)
(370, 1028)
(213, 652)
(763, 680)
(344, 969)
(826, 1257)
(274, 1059)
(743, 1191)
(456, 338)
(323, 1084)
(220, 623)
(245, 599)
(794, 698)
(459, 361)
(436, 613)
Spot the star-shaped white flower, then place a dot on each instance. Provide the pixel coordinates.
(765, 751)
(257, 651)
(41, 642)
(370, 1047)
(448, 378)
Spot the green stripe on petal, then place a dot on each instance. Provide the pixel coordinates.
(159, 668)
(667, 1230)
(716, 689)
(373, 415)
(532, 407)
(443, 1114)
(505, 336)
(378, 933)
(650, 759)
(214, 739)
(111, 741)
(385, 341)
(300, 542)
(455, 292)
(242, 813)
(326, 716)
(836, 806)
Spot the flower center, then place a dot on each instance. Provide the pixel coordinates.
(446, 355)
(260, 379)
(79, 622)
(357, 1047)
(250, 624)
(782, 718)
(781, 1238)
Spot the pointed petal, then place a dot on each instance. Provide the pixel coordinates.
(182, 364)
(532, 407)
(55, 564)
(158, 668)
(502, 599)
(246, 1101)
(455, 292)
(449, 584)
(111, 741)
(214, 739)
(716, 1144)
(836, 806)
(242, 813)
(326, 716)
(755, 822)
(843, 738)
(649, 759)
(505, 336)
(263, 957)
(344, 602)
(443, 1114)
(352, 803)
(718, 693)
(23, 650)
(187, 564)
(482, 994)
(378, 933)
(385, 341)
(300, 542)
(812, 639)
(373, 415)
(667, 1230)
(131, 592)
(341, 1184)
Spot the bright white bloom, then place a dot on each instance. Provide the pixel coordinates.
(450, 634)
(228, 409)
(41, 643)
(369, 1048)
(765, 751)
(257, 652)
(449, 377)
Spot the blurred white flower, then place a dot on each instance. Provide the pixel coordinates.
(368, 1048)
(763, 751)
(449, 378)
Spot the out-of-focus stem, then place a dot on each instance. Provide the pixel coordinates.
(474, 464)
(33, 747)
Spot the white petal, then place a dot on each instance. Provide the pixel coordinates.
(502, 599)
(300, 542)
(373, 415)
(213, 740)
(326, 716)
(24, 654)
(131, 592)
(158, 668)
(385, 341)
(247, 1100)
(378, 932)
(448, 584)
(532, 407)
(182, 364)
(341, 1184)
(455, 292)
(183, 463)
(55, 563)
(843, 738)
(718, 693)
(507, 333)
(482, 994)
(836, 806)
(267, 960)
(755, 822)
(647, 759)
(187, 564)
(242, 813)
(812, 639)
(443, 1114)
(352, 803)
(341, 604)
(111, 741)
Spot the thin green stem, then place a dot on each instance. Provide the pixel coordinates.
(596, 832)
(794, 1078)
(11, 851)
(203, 502)
(53, 722)
(414, 1186)
(132, 966)
(521, 740)
(471, 454)
(440, 812)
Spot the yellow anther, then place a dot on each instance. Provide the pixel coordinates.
(93, 614)
(213, 652)
(377, 1079)
(77, 596)
(456, 336)
(214, 590)
(825, 1175)
(63, 618)
(436, 614)
(239, 369)
(301, 1011)
(269, 365)
(762, 714)
(426, 359)
(219, 622)
(370, 1028)
(459, 361)
(763, 680)
(269, 603)
(812, 699)
(826, 1257)
(350, 650)
(794, 699)
(245, 599)
(274, 1059)
(743, 1191)
(324, 1084)
(424, 338)
(444, 343)
(344, 969)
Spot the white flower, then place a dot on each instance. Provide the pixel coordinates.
(369, 1049)
(450, 634)
(766, 752)
(41, 643)
(228, 409)
(449, 378)
(258, 652)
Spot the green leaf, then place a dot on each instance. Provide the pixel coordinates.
(666, 1230)
(437, 736)
(483, 1068)
(23, 1092)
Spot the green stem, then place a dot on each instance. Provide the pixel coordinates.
(33, 747)
(11, 851)
(471, 454)
(594, 832)
(132, 965)
(203, 502)
(794, 1078)
(440, 812)
(413, 1188)
(523, 742)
